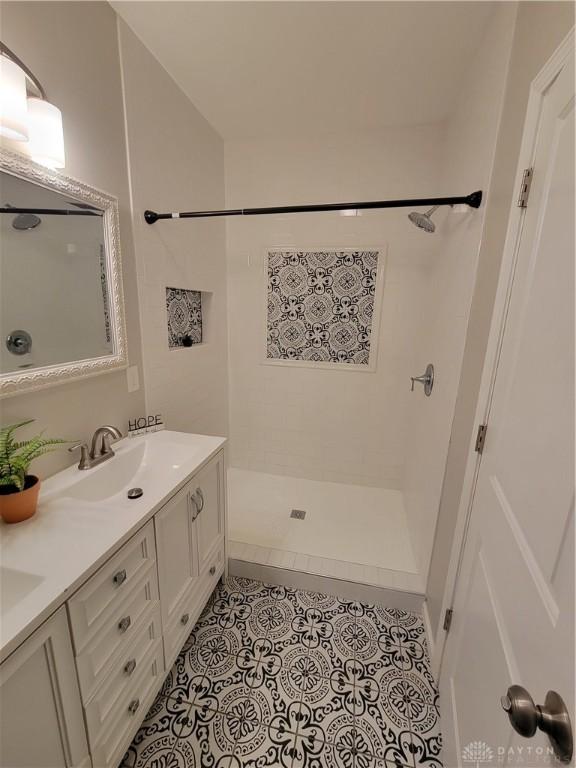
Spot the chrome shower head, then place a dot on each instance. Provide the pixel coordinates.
(24, 221)
(423, 220)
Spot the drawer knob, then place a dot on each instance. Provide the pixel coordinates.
(130, 666)
(212, 570)
(120, 577)
(200, 496)
(124, 623)
(185, 618)
(133, 706)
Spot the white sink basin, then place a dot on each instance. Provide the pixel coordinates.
(111, 477)
(15, 585)
(151, 462)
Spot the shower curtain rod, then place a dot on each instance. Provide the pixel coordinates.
(50, 211)
(473, 200)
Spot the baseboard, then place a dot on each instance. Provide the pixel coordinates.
(349, 590)
(428, 627)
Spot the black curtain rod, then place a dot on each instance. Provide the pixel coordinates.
(473, 200)
(51, 211)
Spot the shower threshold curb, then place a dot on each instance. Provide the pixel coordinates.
(254, 562)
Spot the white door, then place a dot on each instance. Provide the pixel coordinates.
(513, 619)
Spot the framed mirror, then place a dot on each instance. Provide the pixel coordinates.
(61, 301)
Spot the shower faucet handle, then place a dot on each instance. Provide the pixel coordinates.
(427, 379)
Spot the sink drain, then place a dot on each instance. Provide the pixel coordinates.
(135, 493)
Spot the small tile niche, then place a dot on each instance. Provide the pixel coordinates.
(184, 316)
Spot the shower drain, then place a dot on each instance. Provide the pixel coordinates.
(298, 514)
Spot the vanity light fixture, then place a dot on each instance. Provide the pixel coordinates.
(26, 114)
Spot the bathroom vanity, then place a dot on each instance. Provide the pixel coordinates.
(100, 592)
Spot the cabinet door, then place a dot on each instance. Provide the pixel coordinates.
(41, 721)
(176, 552)
(207, 496)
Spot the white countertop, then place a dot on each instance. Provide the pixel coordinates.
(46, 558)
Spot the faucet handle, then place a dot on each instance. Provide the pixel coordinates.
(84, 454)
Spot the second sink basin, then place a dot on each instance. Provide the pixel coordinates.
(15, 585)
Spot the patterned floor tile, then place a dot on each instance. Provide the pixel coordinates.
(273, 676)
(262, 746)
(329, 605)
(158, 734)
(426, 750)
(208, 741)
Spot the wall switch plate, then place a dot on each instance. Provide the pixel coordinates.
(132, 378)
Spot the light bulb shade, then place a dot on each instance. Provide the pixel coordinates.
(13, 107)
(46, 134)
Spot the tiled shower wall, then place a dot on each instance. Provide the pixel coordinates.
(176, 164)
(468, 153)
(337, 425)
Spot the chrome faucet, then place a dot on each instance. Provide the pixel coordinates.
(100, 450)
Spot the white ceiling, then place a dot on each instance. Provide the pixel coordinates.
(264, 68)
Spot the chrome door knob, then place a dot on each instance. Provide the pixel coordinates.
(552, 718)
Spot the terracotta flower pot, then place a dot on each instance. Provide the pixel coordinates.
(16, 506)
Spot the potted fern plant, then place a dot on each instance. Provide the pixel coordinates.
(18, 489)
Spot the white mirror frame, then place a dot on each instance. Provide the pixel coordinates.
(15, 383)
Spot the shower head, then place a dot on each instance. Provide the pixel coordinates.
(423, 220)
(24, 221)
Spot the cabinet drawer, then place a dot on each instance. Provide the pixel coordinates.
(125, 717)
(125, 664)
(119, 632)
(192, 605)
(91, 607)
(121, 676)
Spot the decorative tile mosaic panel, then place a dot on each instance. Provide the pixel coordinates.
(320, 305)
(274, 677)
(184, 310)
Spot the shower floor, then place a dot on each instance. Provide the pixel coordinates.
(349, 532)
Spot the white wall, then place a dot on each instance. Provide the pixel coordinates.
(73, 49)
(176, 163)
(540, 28)
(338, 425)
(468, 155)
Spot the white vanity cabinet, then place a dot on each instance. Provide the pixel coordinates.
(75, 692)
(190, 546)
(41, 723)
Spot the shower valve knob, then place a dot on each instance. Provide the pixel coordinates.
(427, 379)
